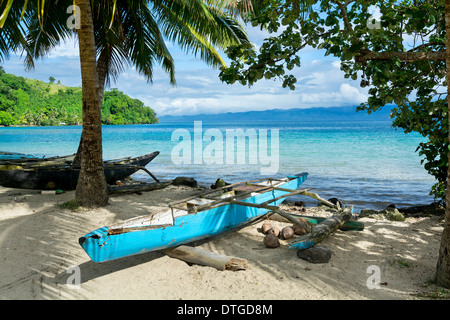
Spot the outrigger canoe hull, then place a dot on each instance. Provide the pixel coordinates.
(65, 176)
(153, 232)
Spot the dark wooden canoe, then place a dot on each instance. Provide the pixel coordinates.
(65, 176)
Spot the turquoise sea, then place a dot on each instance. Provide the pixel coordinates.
(367, 164)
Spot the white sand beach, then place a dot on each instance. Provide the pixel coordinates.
(39, 243)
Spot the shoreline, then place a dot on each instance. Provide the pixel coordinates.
(327, 152)
(371, 201)
(39, 243)
(69, 125)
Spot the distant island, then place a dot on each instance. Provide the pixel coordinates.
(296, 114)
(30, 102)
(36, 103)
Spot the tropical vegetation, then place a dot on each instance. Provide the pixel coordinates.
(400, 50)
(31, 102)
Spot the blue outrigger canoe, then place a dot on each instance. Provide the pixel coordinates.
(188, 220)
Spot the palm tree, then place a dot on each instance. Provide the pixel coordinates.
(91, 188)
(140, 38)
(132, 36)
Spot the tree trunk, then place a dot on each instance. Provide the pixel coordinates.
(91, 188)
(443, 265)
(102, 70)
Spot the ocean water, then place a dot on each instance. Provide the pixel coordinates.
(367, 164)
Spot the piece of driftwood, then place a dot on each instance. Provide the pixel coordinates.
(321, 231)
(207, 258)
(139, 187)
(347, 226)
(317, 197)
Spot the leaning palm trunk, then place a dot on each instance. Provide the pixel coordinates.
(102, 70)
(91, 188)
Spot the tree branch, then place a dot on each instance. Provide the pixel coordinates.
(403, 56)
(367, 55)
(273, 61)
(424, 45)
(343, 8)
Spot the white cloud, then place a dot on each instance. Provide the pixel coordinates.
(222, 103)
(68, 48)
(336, 64)
(346, 95)
(351, 93)
(199, 90)
(320, 84)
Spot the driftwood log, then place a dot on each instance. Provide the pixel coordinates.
(321, 231)
(207, 258)
(349, 225)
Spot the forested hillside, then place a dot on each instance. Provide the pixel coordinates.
(32, 102)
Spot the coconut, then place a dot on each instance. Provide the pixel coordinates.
(299, 203)
(298, 230)
(266, 227)
(275, 231)
(271, 241)
(287, 232)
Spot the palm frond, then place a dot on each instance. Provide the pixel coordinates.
(198, 28)
(134, 38)
(127, 32)
(46, 33)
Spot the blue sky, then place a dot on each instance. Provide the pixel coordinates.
(199, 90)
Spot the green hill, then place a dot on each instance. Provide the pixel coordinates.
(32, 102)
